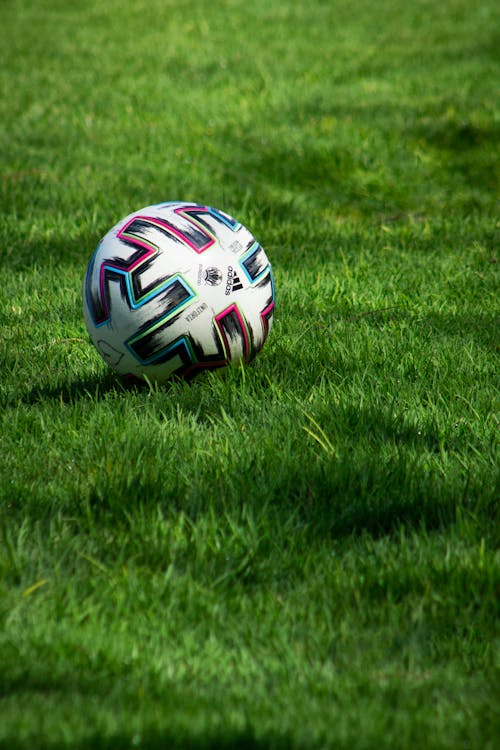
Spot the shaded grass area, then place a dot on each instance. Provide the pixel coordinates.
(370, 628)
(302, 553)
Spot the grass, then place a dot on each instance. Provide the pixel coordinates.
(302, 553)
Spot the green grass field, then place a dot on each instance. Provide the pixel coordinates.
(302, 553)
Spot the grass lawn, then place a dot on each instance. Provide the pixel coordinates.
(302, 553)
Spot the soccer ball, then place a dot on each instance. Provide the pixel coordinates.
(177, 288)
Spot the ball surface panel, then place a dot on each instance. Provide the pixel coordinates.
(176, 288)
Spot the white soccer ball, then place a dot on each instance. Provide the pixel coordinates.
(176, 288)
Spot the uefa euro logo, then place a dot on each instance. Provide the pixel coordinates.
(213, 276)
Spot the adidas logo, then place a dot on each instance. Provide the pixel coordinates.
(233, 282)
